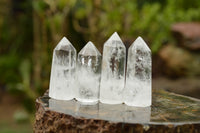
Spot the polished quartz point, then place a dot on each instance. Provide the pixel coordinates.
(62, 81)
(113, 71)
(138, 76)
(88, 74)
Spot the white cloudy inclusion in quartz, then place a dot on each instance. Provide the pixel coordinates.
(88, 74)
(113, 71)
(62, 81)
(138, 76)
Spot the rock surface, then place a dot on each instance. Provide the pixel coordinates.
(184, 86)
(179, 62)
(187, 34)
(170, 113)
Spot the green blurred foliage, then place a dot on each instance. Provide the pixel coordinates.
(28, 36)
(20, 116)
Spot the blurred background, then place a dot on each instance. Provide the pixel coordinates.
(30, 29)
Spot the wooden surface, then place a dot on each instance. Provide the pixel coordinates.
(169, 113)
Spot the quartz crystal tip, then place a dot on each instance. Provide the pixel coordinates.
(141, 44)
(114, 37)
(90, 50)
(65, 40)
(64, 44)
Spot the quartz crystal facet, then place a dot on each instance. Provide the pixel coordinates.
(88, 74)
(62, 85)
(138, 76)
(113, 71)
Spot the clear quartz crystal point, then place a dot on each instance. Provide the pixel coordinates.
(88, 74)
(62, 86)
(113, 71)
(138, 76)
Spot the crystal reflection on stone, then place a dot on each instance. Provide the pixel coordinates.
(67, 107)
(114, 113)
(88, 111)
(137, 114)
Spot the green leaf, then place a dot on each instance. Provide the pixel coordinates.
(80, 13)
(40, 6)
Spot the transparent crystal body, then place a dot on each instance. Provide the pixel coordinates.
(138, 76)
(88, 74)
(62, 85)
(113, 71)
